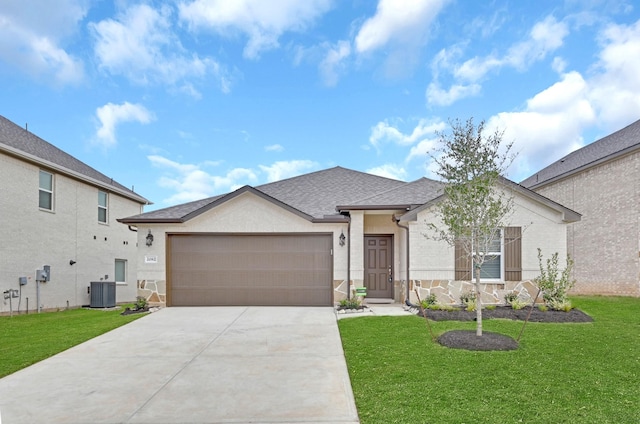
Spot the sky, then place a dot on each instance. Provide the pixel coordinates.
(187, 99)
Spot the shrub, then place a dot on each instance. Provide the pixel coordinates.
(140, 303)
(429, 301)
(468, 300)
(352, 303)
(510, 297)
(491, 307)
(543, 308)
(518, 303)
(553, 283)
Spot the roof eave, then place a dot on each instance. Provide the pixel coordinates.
(613, 156)
(340, 208)
(73, 174)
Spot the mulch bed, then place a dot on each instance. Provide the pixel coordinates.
(467, 339)
(129, 311)
(575, 315)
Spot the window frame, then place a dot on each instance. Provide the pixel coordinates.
(500, 254)
(115, 273)
(50, 192)
(105, 207)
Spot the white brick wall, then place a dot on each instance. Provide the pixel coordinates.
(31, 238)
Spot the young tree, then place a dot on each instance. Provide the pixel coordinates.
(475, 205)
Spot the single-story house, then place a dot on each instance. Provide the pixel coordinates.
(56, 210)
(602, 181)
(309, 240)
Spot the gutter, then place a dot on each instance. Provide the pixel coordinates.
(408, 256)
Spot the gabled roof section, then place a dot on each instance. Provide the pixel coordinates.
(407, 196)
(610, 147)
(183, 213)
(313, 196)
(568, 215)
(20, 143)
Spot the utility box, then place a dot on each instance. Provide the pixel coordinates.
(103, 294)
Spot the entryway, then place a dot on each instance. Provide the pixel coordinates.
(378, 266)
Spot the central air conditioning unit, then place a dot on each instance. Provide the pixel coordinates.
(103, 294)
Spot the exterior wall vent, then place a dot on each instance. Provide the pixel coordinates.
(103, 294)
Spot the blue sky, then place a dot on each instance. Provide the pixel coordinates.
(187, 99)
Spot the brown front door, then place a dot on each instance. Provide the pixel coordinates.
(378, 266)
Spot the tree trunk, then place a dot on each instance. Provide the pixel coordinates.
(478, 305)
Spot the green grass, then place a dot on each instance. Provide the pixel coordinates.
(562, 373)
(27, 339)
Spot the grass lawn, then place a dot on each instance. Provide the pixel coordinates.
(27, 339)
(561, 373)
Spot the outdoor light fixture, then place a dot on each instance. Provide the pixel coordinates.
(342, 238)
(149, 238)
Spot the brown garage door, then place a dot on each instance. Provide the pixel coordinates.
(239, 269)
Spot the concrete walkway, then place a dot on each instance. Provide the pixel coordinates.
(193, 365)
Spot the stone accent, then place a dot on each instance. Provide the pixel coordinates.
(154, 291)
(340, 288)
(448, 291)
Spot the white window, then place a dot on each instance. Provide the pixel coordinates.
(103, 199)
(121, 271)
(492, 266)
(45, 197)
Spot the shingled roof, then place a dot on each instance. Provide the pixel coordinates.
(610, 147)
(314, 195)
(19, 142)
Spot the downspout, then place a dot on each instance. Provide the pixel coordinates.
(349, 258)
(408, 256)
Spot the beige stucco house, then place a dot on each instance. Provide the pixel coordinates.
(57, 211)
(309, 240)
(602, 181)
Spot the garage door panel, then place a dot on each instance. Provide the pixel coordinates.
(236, 269)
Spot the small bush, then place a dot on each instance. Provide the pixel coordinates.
(543, 308)
(352, 303)
(510, 297)
(468, 301)
(429, 301)
(140, 303)
(554, 283)
(491, 307)
(518, 303)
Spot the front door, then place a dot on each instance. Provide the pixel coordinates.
(378, 266)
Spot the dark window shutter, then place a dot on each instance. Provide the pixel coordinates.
(513, 254)
(463, 263)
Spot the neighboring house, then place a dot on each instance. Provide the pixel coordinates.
(602, 181)
(57, 211)
(300, 241)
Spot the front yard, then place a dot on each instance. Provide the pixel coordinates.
(27, 339)
(561, 373)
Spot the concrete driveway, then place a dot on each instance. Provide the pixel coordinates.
(193, 365)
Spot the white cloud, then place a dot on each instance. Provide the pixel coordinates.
(111, 115)
(544, 37)
(385, 132)
(286, 169)
(262, 22)
(140, 45)
(439, 97)
(396, 172)
(616, 86)
(399, 22)
(274, 148)
(35, 45)
(422, 149)
(549, 127)
(192, 182)
(333, 63)
(553, 121)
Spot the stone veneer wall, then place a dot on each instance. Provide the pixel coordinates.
(448, 291)
(155, 291)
